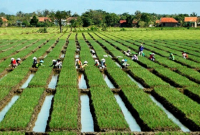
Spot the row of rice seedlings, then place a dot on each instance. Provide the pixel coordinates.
(106, 109)
(15, 49)
(149, 78)
(151, 114)
(190, 73)
(21, 54)
(20, 113)
(8, 45)
(20, 72)
(44, 71)
(190, 109)
(65, 107)
(176, 78)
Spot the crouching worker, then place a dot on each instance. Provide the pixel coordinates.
(127, 53)
(85, 64)
(171, 56)
(39, 64)
(185, 55)
(18, 61)
(53, 64)
(103, 63)
(13, 63)
(152, 56)
(97, 63)
(34, 62)
(78, 63)
(124, 63)
(58, 64)
(135, 57)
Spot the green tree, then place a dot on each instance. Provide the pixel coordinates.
(34, 21)
(1, 22)
(141, 23)
(193, 14)
(59, 16)
(129, 21)
(86, 21)
(146, 18)
(111, 19)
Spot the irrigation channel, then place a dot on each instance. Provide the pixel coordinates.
(14, 99)
(87, 123)
(43, 116)
(128, 117)
(170, 115)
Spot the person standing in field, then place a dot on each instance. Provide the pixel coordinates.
(141, 48)
(34, 62)
(185, 55)
(13, 63)
(171, 56)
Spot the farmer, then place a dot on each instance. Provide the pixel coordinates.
(78, 63)
(185, 55)
(97, 63)
(151, 57)
(39, 64)
(92, 51)
(53, 63)
(124, 63)
(13, 63)
(34, 62)
(18, 61)
(135, 57)
(85, 64)
(127, 53)
(58, 64)
(103, 63)
(141, 48)
(171, 56)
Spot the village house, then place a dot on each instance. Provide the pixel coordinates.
(123, 23)
(190, 21)
(44, 19)
(69, 19)
(168, 22)
(5, 21)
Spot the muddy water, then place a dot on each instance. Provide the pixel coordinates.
(139, 84)
(118, 65)
(82, 82)
(108, 82)
(41, 122)
(170, 116)
(62, 56)
(87, 124)
(129, 118)
(7, 107)
(27, 81)
(53, 82)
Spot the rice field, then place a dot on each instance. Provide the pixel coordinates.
(96, 101)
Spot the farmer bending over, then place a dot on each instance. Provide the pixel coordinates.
(185, 55)
(135, 57)
(39, 64)
(13, 63)
(97, 63)
(171, 56)
(151, 57)
(34, 62)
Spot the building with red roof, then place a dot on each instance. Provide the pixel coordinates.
(168, 22)
(191, 21)
(123, 23)
(44, 19)
(5, 21)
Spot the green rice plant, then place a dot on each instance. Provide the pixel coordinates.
(190, 108)
(20, 113)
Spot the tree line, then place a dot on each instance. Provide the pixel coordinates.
(98, 18)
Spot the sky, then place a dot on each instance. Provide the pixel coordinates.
(112, 6)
